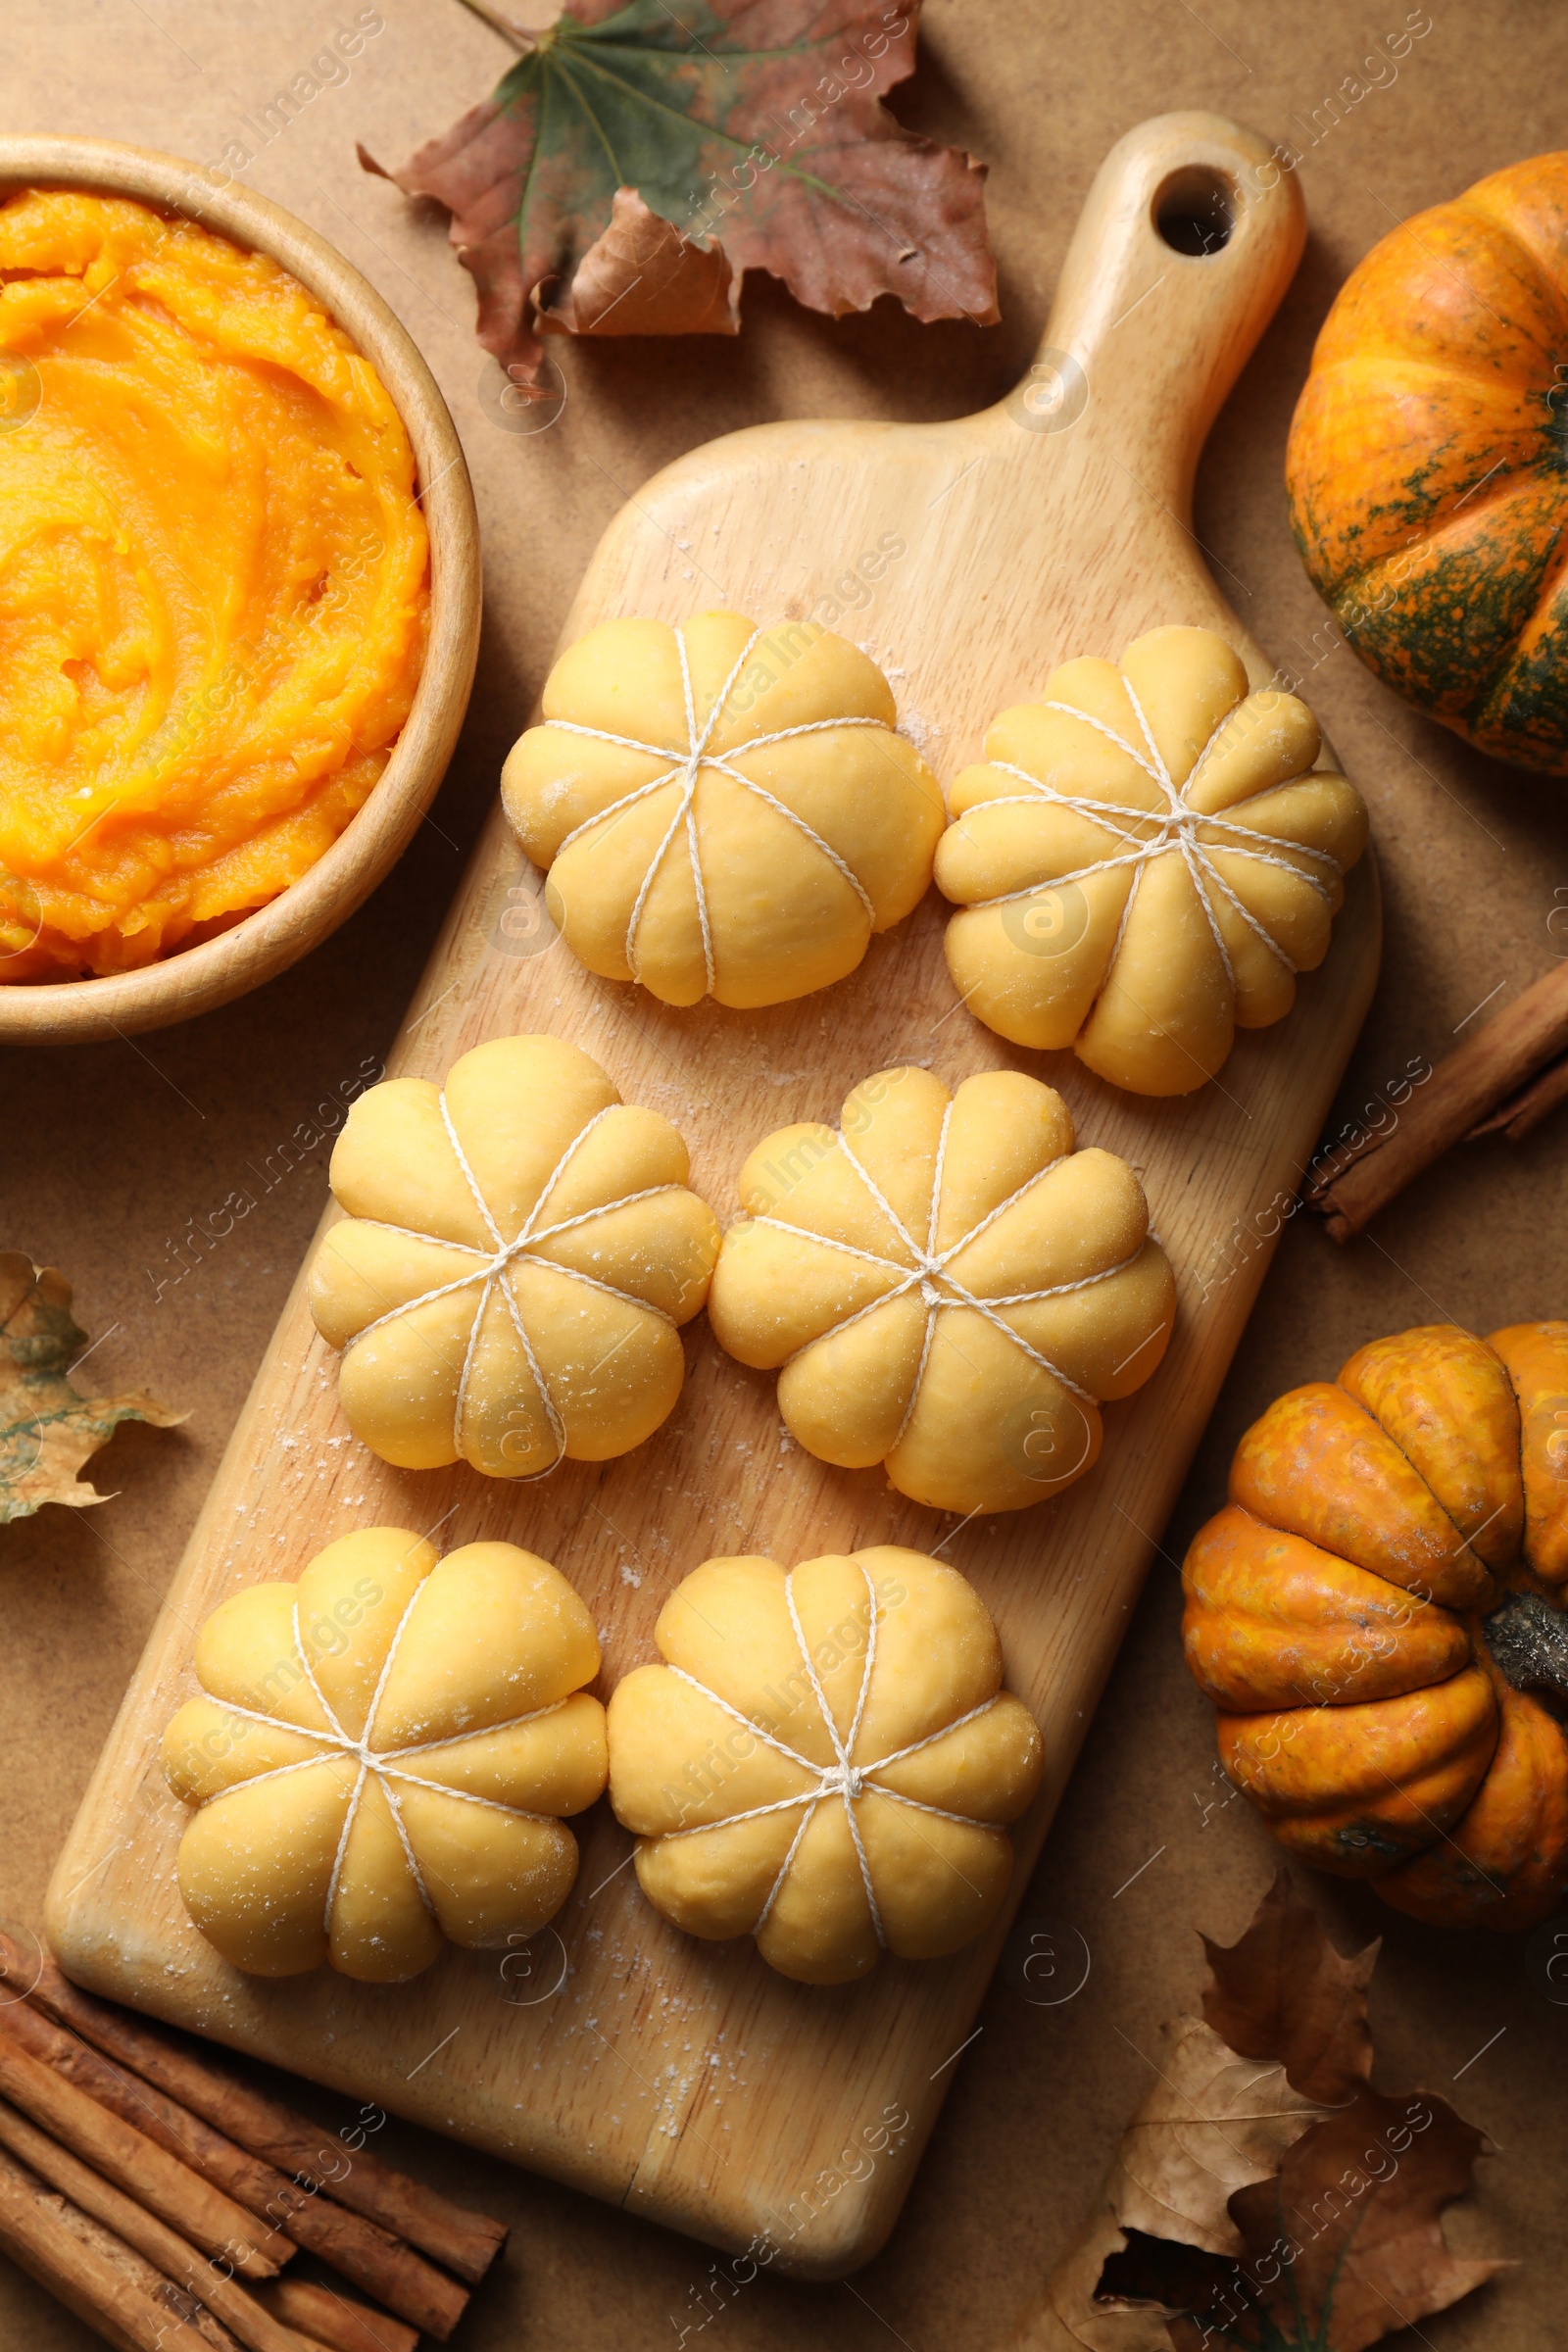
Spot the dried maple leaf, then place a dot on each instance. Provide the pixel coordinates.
(1327, 2233)
(1283, 1992)
(1345, 2245)
(47, 1431)
(1213, 2123)
(1372, 2255)
(643, 277)
(753, 129)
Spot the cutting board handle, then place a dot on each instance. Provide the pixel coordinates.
(1189, 236)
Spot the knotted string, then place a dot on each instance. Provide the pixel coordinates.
(1176, 828)
(685, 768)
(492, 1274)
(842, 1778)
(385, 1765)
(932, 1272)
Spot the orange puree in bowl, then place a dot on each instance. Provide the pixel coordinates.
(212, 583)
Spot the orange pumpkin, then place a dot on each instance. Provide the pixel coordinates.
(1379, 1615)
(1426, 465)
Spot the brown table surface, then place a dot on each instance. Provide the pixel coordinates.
(111, 1150)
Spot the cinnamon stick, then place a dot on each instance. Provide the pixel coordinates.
(466, 2242)
(1465, 1086)
(150, 2111)
(378, 2262)
(127, 2157)
(107, 2284)
(333, 2320)
(1522, 1111)
(250, 2321)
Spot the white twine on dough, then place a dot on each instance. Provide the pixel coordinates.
(932, 1267)
(385, 1765)
(493, 1270)
(1176, 829)
(685, 768)
(842, 1778)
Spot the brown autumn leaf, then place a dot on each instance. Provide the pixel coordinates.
(1345, 2245)
(1213, 2123)
(1283, 1992)
(643, 277)
(754, 129)
(47, 1430)
(1285, 2108)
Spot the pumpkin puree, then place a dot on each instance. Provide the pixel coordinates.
(212, 583)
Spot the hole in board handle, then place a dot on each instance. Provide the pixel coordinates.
(1194, 209)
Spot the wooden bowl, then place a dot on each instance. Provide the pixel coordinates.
(277, 933)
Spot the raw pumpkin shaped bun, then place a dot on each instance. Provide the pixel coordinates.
(1145, 859)
(946, 1287)
(723, 811)
(1379, 1616)
(381, 1755)
(823, 1761)
(519, 1250)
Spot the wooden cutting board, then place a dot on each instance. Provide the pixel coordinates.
(681, 2079)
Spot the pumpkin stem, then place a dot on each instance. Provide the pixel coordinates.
(1528, 1642)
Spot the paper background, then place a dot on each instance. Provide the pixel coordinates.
(109, 1150)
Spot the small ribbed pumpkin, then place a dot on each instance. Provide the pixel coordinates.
(1428, 462)
(1378, 1614)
